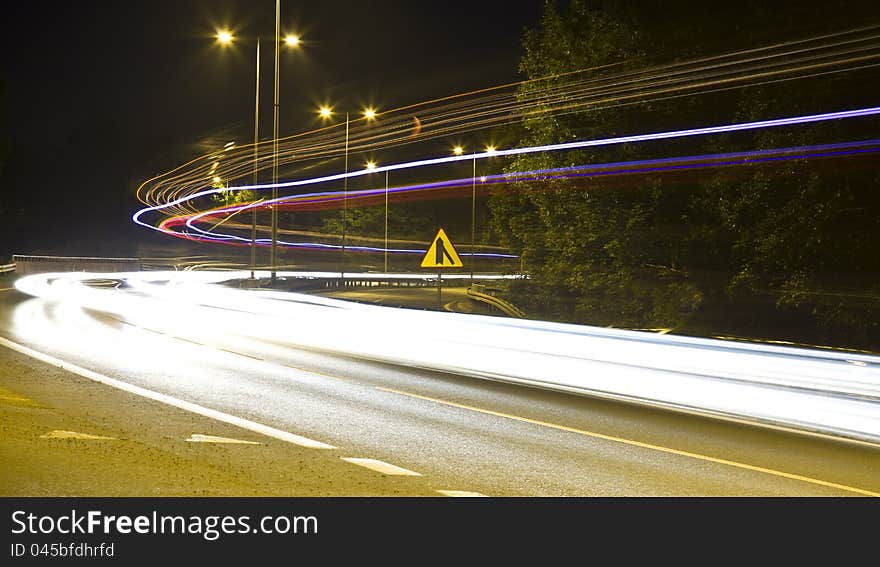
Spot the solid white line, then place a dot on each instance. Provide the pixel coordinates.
(381, 466)
(169, 400)
(461, 494)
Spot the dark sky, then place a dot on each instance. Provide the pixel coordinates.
(99, 95)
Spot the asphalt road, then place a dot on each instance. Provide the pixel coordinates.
(421, 431)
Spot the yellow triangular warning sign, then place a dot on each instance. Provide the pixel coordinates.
(441, 253)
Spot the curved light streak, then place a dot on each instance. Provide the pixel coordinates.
(871, 111)
(593, 89)
(618, 168)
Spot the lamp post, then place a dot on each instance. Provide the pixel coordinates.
(344, 203)
(274, 208)
(458, 150)
(326, 112)
(256, 164)
(386, 221)
(490, 150)
(226, 37)
(371, 165)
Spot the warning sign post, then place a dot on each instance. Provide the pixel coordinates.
(441, 254)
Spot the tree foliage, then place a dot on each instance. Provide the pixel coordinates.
(781, 248)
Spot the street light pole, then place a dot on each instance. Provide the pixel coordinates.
(225, 37)
(344, 198)
(473, 217)
(274, 206)
(326, 112)
(256, 165)
(386, 221)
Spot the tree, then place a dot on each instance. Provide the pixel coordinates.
(583, 244)
(756, 249)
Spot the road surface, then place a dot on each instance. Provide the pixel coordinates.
(363, 427)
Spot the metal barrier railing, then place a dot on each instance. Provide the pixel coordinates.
(505, 306)
(24, 264)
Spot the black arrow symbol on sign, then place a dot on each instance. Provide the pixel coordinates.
(440, 251)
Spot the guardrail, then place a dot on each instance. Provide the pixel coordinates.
(7, 268)
(333, 280)
(25, 264)
(506, 307)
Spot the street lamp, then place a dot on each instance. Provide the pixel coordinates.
(256, 164)
(274, 208)
(458, 150)
(226, 37)
(371, 166)
(491, 151)
(325, 112)
(386, 221)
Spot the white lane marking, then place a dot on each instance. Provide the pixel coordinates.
(169, 400)
(199, 438)
(232, 352)
(461, 493)
(381, 466)
(634, 443)
(62, 434)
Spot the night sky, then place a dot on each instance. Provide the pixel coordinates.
(100, 95)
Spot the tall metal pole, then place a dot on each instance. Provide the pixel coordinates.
(386, 221)
(256, 156)
(275, 144)
(473, 217)
(344, 198)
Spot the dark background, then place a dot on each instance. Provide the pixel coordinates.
(100, 95)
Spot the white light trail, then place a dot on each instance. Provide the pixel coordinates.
(871, 111)
(822, 392)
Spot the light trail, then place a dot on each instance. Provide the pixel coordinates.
(668, 135)
(819, 392)
(179, 194)
(620, 168)
(207, 235)
(558, 94)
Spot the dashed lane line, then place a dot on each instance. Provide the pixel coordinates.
(252, 357)
(461, 494)
(202, 438)
(642, 445)
(317, 373)
(631, 442)
(63, 434)
(381, 466)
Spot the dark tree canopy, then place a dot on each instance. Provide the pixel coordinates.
(775, 251)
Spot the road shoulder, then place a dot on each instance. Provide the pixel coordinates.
(64, 435)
